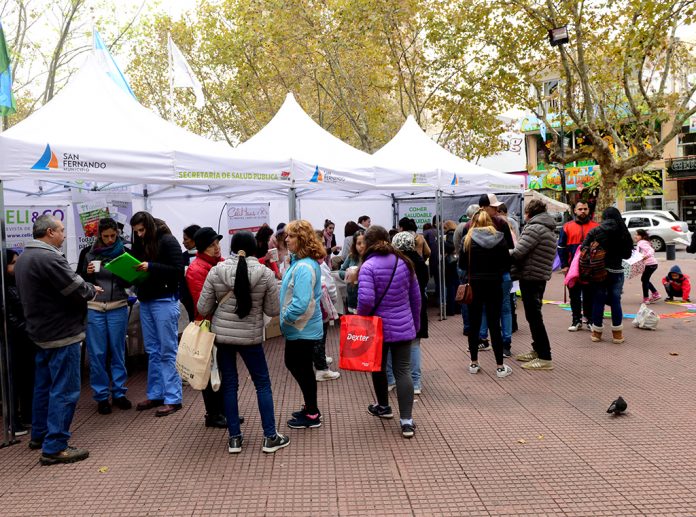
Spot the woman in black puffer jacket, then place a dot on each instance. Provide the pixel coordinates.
(158, 294)
(612, 235)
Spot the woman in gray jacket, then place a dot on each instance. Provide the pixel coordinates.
(243, 291)
(533, 258)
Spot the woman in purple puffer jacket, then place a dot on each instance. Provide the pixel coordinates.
(387, 287)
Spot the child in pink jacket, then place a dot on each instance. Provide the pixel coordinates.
(645, 248)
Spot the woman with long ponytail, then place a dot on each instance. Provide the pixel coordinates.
(243, 290)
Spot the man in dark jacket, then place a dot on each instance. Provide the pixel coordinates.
(54, 299)
(571, 237)
(533, 258)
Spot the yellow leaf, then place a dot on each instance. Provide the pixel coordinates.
(540, 437)
(103, 470)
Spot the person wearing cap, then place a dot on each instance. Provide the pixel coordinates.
(208, 255)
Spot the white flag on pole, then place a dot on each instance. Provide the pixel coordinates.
(183, 75)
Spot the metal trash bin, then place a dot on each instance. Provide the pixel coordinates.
(671, 250)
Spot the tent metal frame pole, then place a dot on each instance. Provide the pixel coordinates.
(146, 197)
(441, 258)
(292, 204)
(8, 409)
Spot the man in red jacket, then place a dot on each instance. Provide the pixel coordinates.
(570, 239)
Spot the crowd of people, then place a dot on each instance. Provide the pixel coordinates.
(289, 273)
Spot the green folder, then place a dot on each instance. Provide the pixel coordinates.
(124, 266)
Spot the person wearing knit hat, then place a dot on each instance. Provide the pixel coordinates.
(208, 246)
(204, 237)
(406, 243)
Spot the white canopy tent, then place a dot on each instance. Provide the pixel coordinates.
(319, 159)
(92, 130)
(413, 162)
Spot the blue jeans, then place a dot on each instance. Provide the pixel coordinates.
(255, 361)
(56, 390)
(415, 365)
(608, 293)
(160, 323)
(505, 314)
(107, 331)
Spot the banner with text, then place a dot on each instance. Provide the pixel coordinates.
(19, 222)
(249, 216)
(91, 206)
(422, 211)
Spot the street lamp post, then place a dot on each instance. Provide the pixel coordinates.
(558, 36)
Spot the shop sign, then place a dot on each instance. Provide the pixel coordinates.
(576, 178)
(681, 167)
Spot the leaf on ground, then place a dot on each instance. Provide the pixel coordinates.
(521, 440)
(103, 470)
(540, 437)
(674, 353)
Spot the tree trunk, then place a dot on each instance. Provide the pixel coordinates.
(607, 190)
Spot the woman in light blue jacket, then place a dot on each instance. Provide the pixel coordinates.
(300, 316)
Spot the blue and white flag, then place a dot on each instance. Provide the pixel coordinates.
(107, 61)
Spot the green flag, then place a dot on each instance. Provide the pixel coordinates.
(7, 101)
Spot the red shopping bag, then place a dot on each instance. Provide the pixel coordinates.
(361, 343)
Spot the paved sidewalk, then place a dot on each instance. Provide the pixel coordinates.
(535, 443)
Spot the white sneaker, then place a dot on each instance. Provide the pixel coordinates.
(503, 372)
(474, 368)
(577, 325)
(416, 391)
(329, 360)
(391, 387)
(326, 375)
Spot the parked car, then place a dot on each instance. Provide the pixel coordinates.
(662, 225)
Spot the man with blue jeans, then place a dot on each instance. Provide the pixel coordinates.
(54, 300)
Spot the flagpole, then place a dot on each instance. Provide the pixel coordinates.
(170, 60)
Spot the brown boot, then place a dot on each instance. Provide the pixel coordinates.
(617, 334)
(596, 333)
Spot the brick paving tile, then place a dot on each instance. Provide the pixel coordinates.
(535, 443)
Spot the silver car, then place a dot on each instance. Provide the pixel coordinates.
(662, 226)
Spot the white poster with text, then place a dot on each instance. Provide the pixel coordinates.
(250, 216)
(422, 211)
(19, 222)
